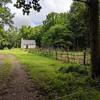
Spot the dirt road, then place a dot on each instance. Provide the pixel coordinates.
(19, 87)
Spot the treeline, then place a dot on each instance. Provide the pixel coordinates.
(58, 30)
(5, 20)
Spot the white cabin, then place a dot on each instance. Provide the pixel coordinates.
(27, 44)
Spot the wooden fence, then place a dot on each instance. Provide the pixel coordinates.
(65, 56)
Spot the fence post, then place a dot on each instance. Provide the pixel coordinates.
(56, 53)
(67, 56)
(84, 60)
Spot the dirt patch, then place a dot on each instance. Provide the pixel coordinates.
(20, 87)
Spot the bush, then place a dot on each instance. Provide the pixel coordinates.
(83, 94)
(74, 68)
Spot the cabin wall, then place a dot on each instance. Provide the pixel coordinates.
(28, 46)
(31, 46)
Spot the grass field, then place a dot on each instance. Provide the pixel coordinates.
(57, 80)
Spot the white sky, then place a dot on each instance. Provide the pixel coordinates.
(36, 18)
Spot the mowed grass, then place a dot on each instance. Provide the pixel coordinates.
(57, 80)
(5, 68)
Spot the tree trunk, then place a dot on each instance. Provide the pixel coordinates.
(94, 37)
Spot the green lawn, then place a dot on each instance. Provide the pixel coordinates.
(57, 80)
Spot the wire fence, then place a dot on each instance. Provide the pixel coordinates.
(82, 57)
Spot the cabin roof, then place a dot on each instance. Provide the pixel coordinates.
(28, 42)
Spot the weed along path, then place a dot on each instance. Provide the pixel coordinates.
(19, 87)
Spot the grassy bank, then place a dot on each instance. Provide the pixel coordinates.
(57, 80)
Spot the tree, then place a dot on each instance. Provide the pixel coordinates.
(57, 37)
(93, 6)
(55, 33)
(5, 15)
(78, 16)
(5, 19)
(2, 40)
(38, 34)
(95, 37)
(27, 32)
(13, 38)
(53, 19)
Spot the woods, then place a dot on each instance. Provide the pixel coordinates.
(95, 37)
(58, 30)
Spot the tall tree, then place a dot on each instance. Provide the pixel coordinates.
(95, 37)
(57, 37)
(94, 30)
(77, 24)
(53, 19)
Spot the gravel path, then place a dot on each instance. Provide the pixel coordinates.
(20, 87)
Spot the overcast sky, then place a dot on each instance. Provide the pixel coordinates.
(36, 18)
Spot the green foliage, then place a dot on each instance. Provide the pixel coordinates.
(80, 69)
(78, 24)
(52, 33)
(27, 32)
(5, 15)
(57, 36)
(13, 38)
(1, 37)
(73, 85)
(65, 30)
(53, 19)
(59, 30)
(10, 38)
(5, 19)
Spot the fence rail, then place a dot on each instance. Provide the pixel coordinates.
(65, 56)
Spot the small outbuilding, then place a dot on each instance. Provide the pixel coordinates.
(26, 44)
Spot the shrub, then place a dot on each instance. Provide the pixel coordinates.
(74, 68)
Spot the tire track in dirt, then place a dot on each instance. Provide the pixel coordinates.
(20, 87)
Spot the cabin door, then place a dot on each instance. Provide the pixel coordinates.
(26, 46)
